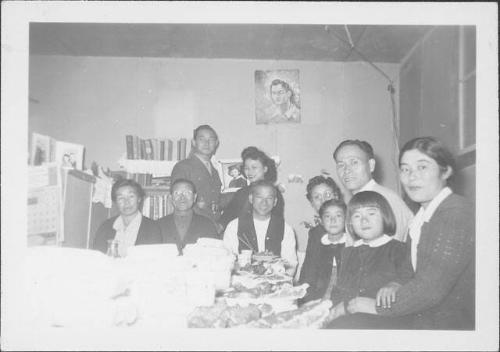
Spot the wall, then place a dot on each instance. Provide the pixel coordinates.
(97, 101)
(429, 104)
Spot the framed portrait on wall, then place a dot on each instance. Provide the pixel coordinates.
(69, 155)
(277, 96)
(232, 176)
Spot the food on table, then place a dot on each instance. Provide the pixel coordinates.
(264, 256)
(311, 315)
(276, 266)
(221, 315)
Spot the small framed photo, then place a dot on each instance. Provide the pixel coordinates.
(42, 149)
(69, 155)
(232, 175)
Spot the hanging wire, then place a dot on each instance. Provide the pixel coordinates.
(392, 92)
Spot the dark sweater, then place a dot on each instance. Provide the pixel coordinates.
(240, 204)
(207, 185)
(200, 226)
(366, 269)
(317, 267)
(443, 289)
(149, 233)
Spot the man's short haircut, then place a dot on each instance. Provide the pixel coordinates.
(363, 145)
(182, 180)
(204, 127)
(263, 183)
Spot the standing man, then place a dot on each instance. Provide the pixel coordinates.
(198, 169)
(355, 165)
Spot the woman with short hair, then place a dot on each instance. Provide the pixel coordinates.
(442, 241)
(130, 227)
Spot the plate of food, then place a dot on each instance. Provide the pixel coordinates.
(264, 256)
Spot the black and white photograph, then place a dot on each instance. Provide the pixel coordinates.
(69, 155)
(340, 189)
(277, 96)
(233, 177)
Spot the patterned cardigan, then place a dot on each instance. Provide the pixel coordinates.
(442, 292)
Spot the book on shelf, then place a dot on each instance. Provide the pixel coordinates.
(137, 148)
(159, 149)
(156, 149)
(157, 204)
(170, 149)
(181, 149)
(148, 149)
(130, 146)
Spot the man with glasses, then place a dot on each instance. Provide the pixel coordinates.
(184, 226)
(355, 164)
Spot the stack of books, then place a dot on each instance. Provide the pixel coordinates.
(155, 148)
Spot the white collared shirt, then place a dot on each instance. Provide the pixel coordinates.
(326, 241)
(288, 243)
(368, 186)
(423, 215)
(126, 235)
(377, 242)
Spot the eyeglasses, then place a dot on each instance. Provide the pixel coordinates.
(324, 196)
(185, 193)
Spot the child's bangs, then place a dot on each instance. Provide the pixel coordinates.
(366, 203)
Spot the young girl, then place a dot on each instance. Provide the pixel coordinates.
(332, 214)
(317, 267)
(373, 260)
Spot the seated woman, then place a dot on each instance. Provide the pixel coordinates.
(130, 227)
(238, 180)
(184, 226)
(374, 260)
(257, 166)
(442, 292)
(317, 267)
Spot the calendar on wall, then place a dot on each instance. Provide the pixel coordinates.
(44, 211)
(44, 205)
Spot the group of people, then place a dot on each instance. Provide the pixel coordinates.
(393, 269)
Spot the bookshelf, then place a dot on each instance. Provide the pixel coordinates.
(154, 167)
(146, 161)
